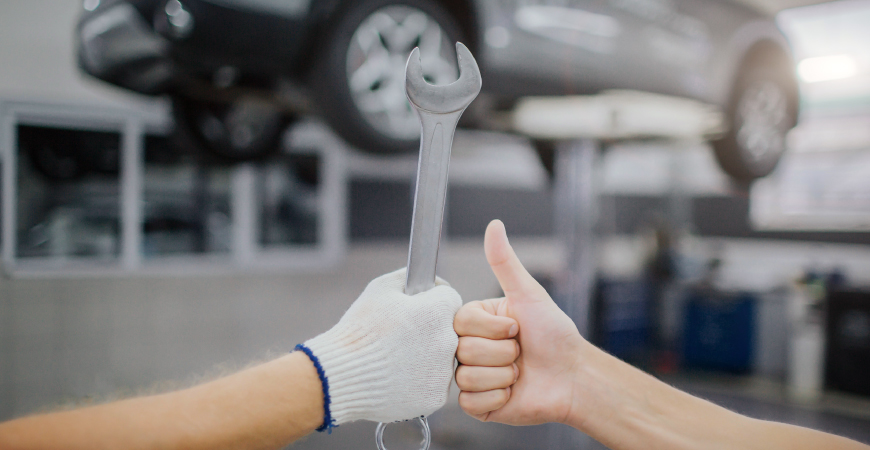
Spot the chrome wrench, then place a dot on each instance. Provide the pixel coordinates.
(439, 109)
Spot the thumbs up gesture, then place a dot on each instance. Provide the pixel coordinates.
(520, 355)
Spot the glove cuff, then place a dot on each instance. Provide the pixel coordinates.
(353, 373)
(328, 422)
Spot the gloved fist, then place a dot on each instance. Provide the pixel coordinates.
(390, 357)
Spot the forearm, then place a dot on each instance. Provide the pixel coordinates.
(628, 409)
(266, 406)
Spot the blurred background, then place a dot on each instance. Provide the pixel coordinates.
(191, 185)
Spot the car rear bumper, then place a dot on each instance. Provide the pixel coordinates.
(117, 45)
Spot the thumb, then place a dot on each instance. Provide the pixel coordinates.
(515, 280)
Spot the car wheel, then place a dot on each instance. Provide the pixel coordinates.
(359, 76)
(242, 130)
(762, 111)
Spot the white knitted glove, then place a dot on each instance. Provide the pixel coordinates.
(390, 357)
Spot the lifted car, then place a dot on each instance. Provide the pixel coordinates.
(238, 71)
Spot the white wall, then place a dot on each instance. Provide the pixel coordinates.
(37, 59)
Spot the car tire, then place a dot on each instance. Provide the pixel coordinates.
(763, 108)
(245, 129)
(360, 91)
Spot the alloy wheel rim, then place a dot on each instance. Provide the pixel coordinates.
(376, 61)
(763, 118)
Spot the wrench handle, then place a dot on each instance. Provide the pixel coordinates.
(430, 194)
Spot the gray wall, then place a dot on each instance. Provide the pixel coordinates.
(36, 54)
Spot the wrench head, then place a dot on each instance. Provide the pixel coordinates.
(449, 98)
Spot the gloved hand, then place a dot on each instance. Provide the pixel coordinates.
(390, 357)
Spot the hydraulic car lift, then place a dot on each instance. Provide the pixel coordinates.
(580, 127)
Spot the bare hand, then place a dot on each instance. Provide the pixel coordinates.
(525, 384)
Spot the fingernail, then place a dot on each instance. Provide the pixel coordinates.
(516, 372)
(518, 348)
(508, 389)
(513, 331)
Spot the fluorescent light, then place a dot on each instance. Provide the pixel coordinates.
(824, 68)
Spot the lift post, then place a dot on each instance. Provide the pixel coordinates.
(578, 125)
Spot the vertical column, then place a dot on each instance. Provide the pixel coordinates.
(245, 213)
(9, 153)
(333, 225)
(666, 301)
(8, 191)
(131, 193)
(576, 209)
(679, 201)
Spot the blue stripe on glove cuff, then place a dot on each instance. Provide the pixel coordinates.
(328, 421)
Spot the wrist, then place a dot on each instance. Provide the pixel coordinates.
(612, 401)
(586, 379)
(303, 395)
(609, 394)
(328, 422)
(625, 408)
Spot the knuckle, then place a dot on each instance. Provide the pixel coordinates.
(463, 378)
(506, 376)
(459, 324)
(466, 403)
(462, 351)
(506, 351)
(494, 327)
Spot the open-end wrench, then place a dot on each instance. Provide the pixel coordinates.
(439, 108)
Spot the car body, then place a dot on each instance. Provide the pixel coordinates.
(289, 57)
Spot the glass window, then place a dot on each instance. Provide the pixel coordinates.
(68, 193)
(186, 207)
(289, 208)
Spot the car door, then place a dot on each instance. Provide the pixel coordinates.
(570, 46)
(534, 47)
(669, 46)
(583, 46)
